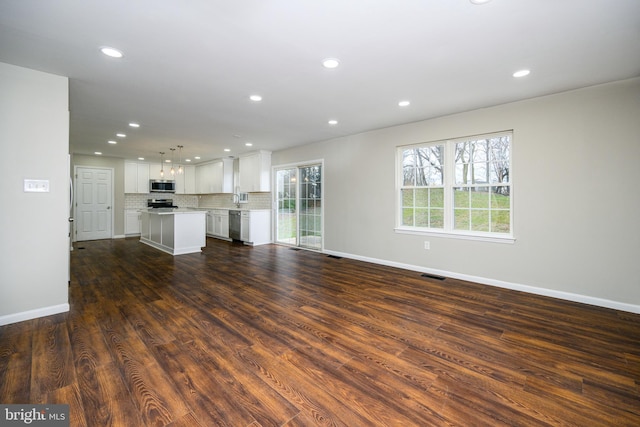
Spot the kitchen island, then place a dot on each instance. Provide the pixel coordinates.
(175, 231)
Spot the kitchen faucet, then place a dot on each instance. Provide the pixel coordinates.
(236, 200)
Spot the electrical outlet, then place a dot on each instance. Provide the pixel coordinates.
(427, 245)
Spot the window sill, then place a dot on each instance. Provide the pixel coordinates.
(450, 235)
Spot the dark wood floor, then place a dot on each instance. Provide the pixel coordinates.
(270, 336)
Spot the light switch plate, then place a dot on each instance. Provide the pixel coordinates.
(36, 185)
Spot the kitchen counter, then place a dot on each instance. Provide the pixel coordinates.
(175, 231)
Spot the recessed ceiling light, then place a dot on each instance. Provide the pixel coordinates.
(134, 125)
(112, 142)
(330, 63)
(167, 161)
(521, 73)
(479, 1)
(98, 153)
(227, 149)
(140, 158)
(333, 122)
(121, 135)
(248, 144)
(255, 98)
(404, 103)
(187, 160)
(197, 157)
(111, 52)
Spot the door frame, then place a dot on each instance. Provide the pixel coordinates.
(75, 196)
(274, 216)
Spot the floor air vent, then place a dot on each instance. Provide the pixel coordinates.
(433, 276)
(334, 256)
(295, 249)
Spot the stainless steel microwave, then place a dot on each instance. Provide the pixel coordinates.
(162, 186)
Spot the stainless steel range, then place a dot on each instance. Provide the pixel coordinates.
(160, 203)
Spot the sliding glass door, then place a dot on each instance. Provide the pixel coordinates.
(299, 201)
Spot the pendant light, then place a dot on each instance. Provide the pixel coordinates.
(180, 168)
(162, 164)
(172, 171)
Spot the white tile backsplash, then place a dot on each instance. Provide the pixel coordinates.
(256, 201)
(139, 201)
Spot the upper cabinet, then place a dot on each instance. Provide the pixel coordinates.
(186, 181)
(215, 177)
(136, 177)
(255, 172)
(154, 171)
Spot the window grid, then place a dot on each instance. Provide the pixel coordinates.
(464, 186)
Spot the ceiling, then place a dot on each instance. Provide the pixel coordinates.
(189, 67)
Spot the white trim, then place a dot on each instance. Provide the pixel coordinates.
(568, 296)
(481, 238)
(33, 314)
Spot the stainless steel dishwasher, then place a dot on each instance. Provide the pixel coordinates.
(234, 224)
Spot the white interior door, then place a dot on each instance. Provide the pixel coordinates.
(94, 201)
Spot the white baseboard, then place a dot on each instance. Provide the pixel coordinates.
(584, 299)
(33, 314)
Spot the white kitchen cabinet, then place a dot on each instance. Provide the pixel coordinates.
(215, 177)
(131, 222)
(136, 177)
(255, 172)
(255, 227)
(210, 223)
(186, 181)
(218, 223)
(221, 223)
(154, 171)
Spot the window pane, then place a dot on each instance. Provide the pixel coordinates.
(462, 173)
(500, 221)
(461, 219)
(407, 197)
(480, 220)
(500, 148)
(461, 197)
(422, 197)
(408, 176)
(408, 167)
(422, 218)
(480, 173)
(500, 197)
(437, 218)
(437, 198)
(479, 150)
(407, 216)
(479, 197)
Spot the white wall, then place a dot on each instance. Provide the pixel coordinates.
(34, 141)
(576, 165)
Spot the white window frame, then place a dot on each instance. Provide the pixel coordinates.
(449, 184)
